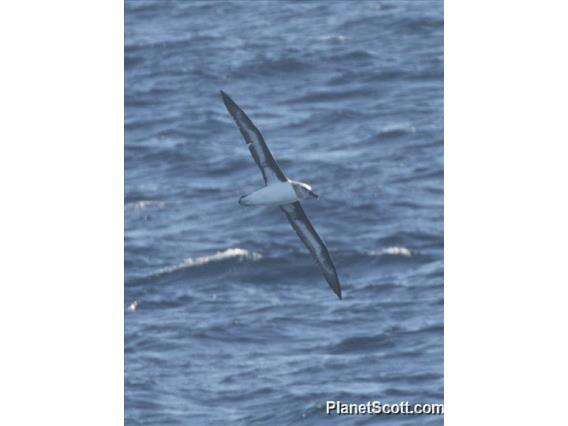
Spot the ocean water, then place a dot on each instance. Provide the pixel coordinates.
(227, 319)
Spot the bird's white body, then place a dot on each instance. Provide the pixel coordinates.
(275, 194)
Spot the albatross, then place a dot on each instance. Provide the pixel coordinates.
(283, 192)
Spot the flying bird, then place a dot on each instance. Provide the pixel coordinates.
(283, 192)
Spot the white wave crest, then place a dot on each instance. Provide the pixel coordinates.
(333, 38)
(148, 204)
(393, 251)
(399, 128)
(190, 262)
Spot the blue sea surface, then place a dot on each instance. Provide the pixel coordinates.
(227, 318)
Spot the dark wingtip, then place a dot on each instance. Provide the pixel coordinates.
(226, 98)
(333, 282)
(337, 291)
(229, 103)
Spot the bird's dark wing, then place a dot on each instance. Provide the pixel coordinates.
(271, 172)
(301, 224)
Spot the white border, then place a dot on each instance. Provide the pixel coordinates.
(61, 174)
(506, 212)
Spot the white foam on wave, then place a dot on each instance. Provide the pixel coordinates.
(133, 306)
(399, 128)
(392, 251)
(236, 252)
(333, 38)
(147, 204)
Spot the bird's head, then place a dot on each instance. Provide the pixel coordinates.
(304, 191)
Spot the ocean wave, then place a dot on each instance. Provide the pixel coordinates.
(265, 66)
(231, 253)
(146, 204)
(377, 76)
(398, 129)
(167, 42)
(392, 251)
(361, 344)
(334, 117)
(402, 74)
(288, 263)
(334, 39)
(328, 96)
(351, 56)
(420, 25)
(389, 132)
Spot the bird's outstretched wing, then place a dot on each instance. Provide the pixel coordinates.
(271, 172)
(301, 224)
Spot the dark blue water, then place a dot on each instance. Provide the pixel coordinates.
(228, 320)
